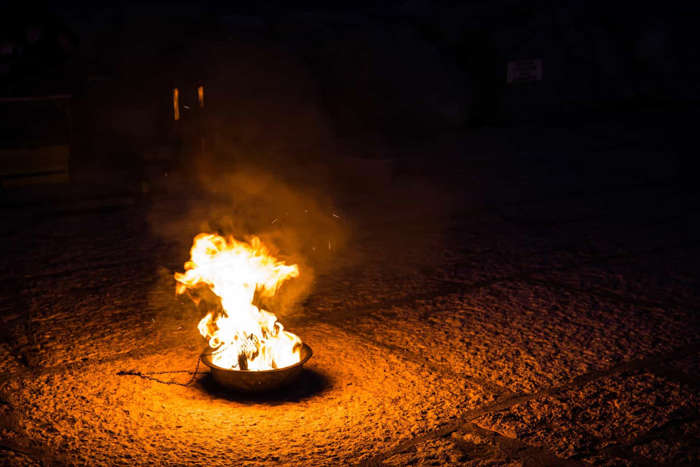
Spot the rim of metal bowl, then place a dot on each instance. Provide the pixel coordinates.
(206, 359)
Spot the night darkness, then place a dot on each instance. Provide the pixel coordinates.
(376, 233)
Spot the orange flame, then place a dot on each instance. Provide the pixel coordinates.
(242, 336)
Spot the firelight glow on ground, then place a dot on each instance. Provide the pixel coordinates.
(508, 346)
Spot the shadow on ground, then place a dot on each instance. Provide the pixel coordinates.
(309, 384)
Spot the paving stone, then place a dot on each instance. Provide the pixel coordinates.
(9, 457)
(9, 360)
(457, 448)
(440, 451)
(665, 278)
(676, 445)
(690, 365)
(604, 413)
(526, 337)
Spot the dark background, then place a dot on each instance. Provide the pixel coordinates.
(380, 80)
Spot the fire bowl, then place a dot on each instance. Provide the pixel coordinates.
(256, 381)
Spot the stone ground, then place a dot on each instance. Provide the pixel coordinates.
(554, 327)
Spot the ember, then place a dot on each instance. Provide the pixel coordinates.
(242, 336)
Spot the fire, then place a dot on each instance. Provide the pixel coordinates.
(242, 336)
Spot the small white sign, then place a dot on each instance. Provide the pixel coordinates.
(524, 70)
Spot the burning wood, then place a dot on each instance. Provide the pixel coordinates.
(242, 336)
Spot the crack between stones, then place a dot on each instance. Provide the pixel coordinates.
(506, 403)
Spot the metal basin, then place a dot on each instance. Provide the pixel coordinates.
(256, 381)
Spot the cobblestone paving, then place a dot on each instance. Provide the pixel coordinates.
(553, 332)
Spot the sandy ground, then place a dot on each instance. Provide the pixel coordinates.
(557, 330)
